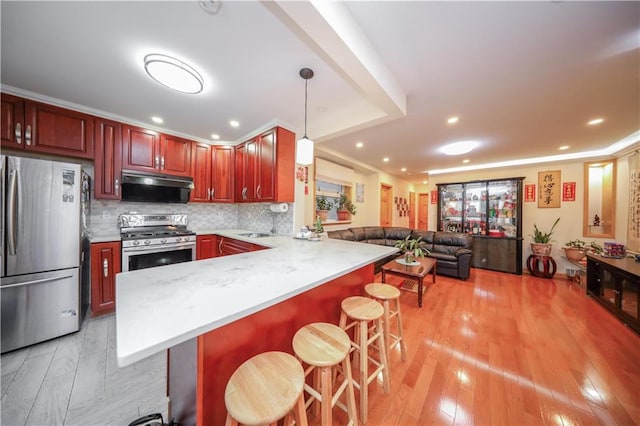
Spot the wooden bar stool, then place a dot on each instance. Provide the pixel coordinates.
(385, 294)
(360, 311)
(264, 389)
(324, 347)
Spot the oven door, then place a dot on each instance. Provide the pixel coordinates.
(134, 258)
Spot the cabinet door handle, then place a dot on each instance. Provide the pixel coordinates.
(27, 135)
(157, 162)
(244, 193)
(162, 162)
(105, 267)
(220, 247)
(18, 133)
(116, 187)
(213, 193)
(258, 191)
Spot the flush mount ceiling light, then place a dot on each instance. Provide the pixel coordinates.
(452, 120)
(595, 121)
(458, 148)
(173, 73)
(304, 146)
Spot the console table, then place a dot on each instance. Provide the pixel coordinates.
(615, 284)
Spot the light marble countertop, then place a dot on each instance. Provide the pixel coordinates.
(158, 308)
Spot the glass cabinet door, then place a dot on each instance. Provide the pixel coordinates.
(502, 213)
(629, 298)
(451, 207)
(475, 208)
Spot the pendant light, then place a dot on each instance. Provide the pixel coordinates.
(304, 146)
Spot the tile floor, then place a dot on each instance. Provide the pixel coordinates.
(75, 380)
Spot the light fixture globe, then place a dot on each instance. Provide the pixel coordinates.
(304, 146)
(173, 73)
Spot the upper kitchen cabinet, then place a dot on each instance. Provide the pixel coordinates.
(150, 151)
(265, 167)
(108, 159)
(212, 171)
(38, 127)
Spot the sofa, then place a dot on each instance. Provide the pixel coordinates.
(452, 250)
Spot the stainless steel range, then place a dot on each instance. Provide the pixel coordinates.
(150, 240)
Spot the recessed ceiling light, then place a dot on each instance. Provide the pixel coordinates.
(404, 169)
(595, 121)
(359, 145)
(466, 160)
(385, 159)
(173, 73)
(234, 123)
(157, 119)
(563, 147)
(215, 136)
(452, 120)
(458, 148)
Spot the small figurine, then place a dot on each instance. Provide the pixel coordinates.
(596, 220)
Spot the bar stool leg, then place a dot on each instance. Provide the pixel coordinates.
(364, 368)
(386, 322)
(382, 348)
(403, 346)
(351, 400)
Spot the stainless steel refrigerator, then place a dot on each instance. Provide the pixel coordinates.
(40, 286)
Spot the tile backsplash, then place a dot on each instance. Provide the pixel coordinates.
(103, 216)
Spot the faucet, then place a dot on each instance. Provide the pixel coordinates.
(273, 216)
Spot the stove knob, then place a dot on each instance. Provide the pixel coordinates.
(136, 242)
(147, 242)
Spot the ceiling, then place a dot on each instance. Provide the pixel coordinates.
(524, 78)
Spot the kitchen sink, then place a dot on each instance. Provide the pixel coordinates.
(255, 234)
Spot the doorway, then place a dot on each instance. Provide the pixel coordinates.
(423, 211)
(386, 193)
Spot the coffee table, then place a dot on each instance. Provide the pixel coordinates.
(419, 271)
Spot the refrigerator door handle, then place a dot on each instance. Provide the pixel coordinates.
(43, 280)
(12, 210)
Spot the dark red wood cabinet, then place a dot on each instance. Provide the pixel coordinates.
(39, 127)
(228, 246)
(150, 151)
(108, 159)
(105, 264)
(206, 246)
(212, 171)
(265, 166)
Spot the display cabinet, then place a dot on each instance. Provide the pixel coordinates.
(490, 210)
(615, 284)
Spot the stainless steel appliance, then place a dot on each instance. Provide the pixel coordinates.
(40, 288)
(155, 188)
(150, 240)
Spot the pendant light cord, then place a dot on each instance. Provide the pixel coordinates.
(306, 82)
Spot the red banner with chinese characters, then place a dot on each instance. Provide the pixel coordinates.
(530, 192)
(434, 197)
(568, 191)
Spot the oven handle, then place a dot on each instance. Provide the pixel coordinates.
(141, 249)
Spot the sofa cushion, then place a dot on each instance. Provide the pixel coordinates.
(393, 234)
(341, 234)
(374, 235)
(358, 234)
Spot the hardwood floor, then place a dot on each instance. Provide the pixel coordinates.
(74, 380)
(498, 349)
(503, 349)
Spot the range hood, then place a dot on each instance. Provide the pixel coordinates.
(155, 188)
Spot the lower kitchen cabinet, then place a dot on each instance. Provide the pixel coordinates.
(105, 264)
(206, 246)
(615, 284)
(227, 246)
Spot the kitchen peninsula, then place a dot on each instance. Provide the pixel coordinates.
(214, 314)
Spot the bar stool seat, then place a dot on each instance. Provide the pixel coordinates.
(357, 313)
(385, 294)
(264, 389)
(324, 347)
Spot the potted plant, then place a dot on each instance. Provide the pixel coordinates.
(345, 207)
(410, 248)
(323, 205)
(541, 245)
(577, 249)
(318, 229)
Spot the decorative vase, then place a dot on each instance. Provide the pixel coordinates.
(541, 249)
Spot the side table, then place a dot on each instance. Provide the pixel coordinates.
(541, 266)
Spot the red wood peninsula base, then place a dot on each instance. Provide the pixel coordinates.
(200, 368)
